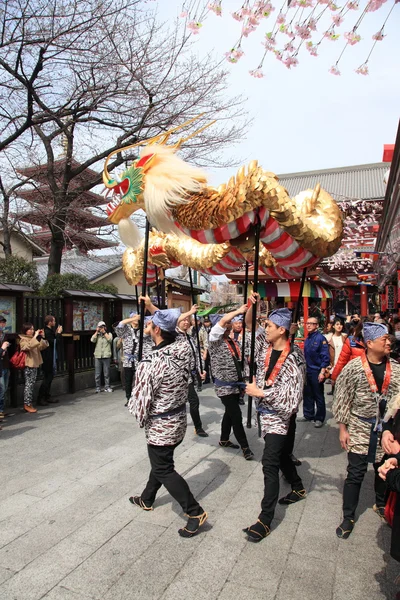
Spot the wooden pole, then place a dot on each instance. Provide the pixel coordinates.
(158, 289)
(195, 320)
(296, 316)
(246, 284)
(254, 316)
(144, 284)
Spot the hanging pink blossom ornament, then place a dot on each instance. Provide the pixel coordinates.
(194, 27)
(352, 37)
(378, 36)
(313, 49)
(280, 19)
(291, 61)
(353, 5)
(215, 7)
(234, 54)
(257, 73)
(337, 20)
(334, 70)
(363, 70)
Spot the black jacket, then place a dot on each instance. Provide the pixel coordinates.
(393, 483)
(48, 353)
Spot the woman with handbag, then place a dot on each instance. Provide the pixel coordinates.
(31, 342)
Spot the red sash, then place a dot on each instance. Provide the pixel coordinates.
(371, 378)
(279, 363)
(235, 349)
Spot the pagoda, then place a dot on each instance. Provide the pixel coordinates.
(80, 219)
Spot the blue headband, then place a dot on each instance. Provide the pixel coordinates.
(373, 331)
(282, 317)
(166, 319)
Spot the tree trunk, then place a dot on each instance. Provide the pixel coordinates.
(56, 247)
(6, 243)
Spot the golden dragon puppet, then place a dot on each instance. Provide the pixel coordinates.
(212, 229)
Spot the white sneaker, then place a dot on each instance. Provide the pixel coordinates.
(98, 390)
(318, 424)
(108, 389)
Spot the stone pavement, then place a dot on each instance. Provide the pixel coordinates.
(68, 532)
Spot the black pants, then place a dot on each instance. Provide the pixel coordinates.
(129, 373)
(233, 419)
(277, 451)
(207, 368)
(44, 390)
(356, 469)
(163, 473)
(194, 404)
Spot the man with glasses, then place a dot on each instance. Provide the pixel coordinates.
(316, 352)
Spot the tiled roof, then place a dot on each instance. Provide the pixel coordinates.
(359, 181)
(92, 268)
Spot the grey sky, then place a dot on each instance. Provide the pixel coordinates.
(305, 118)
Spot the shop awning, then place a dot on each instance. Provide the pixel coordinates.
(292, 289)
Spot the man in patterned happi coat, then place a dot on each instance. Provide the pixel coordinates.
(127, 330)
(277, 390)
(195, 371)
(159, 403)
(225, 354)
(362, 391)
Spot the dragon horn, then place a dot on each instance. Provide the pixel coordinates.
(162, 137)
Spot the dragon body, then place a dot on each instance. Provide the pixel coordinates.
(212, 229)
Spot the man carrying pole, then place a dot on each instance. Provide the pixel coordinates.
(225, 355)
(278, 390)
(159, 404)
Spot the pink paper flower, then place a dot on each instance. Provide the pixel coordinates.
(362, 70)
(238, 16)
(331, 35)
(334, 70)
(291, 61)
(303, 31)
(337, 20)
(257, 73)
(352, 37)
(375, 5)
(378, 36)
(289, 47)
(234, 55)
(312, 24)
(280, 19)
(215, 7)
(194, 27)
(313, 50)
(353, 5)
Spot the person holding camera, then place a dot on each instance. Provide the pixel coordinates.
(102, 356)
(49, 356)
(4, 365)
(32, 343)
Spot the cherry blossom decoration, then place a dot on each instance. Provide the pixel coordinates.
(297, 24)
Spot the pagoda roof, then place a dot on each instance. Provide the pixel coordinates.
(39, 172)
(43, 195)
(84, 240)
(80, 217)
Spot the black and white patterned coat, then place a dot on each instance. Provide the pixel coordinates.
(161, 385)
(353, 399)
(192, 350)
(282, 398)
(130, 342)
(222, 363)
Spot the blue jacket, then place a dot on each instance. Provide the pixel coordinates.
(316, 352)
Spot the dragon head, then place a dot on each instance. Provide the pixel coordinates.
(128, 191)
(156, 182)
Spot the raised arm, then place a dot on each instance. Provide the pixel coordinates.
(229, 316)
(253, 298)
(189, 313)
(148, 304)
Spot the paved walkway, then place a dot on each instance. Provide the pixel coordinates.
(68, 532)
